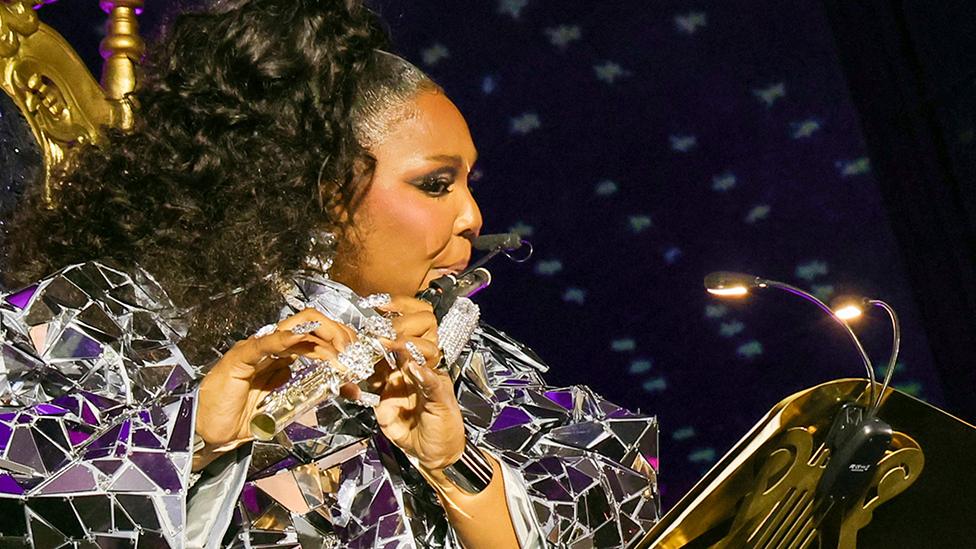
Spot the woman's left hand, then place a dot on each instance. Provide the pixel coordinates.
(418, 410)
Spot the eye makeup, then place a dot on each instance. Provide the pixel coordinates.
(437, 182)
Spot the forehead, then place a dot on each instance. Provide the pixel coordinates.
(434, 127)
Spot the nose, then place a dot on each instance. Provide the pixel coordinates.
(468, 221)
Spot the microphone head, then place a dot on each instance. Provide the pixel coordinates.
(503, 241)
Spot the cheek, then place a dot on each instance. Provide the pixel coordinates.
(409, 221)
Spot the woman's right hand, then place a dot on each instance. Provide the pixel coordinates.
(250, 370)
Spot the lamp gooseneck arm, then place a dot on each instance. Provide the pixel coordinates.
(869, 368)
(895, 346)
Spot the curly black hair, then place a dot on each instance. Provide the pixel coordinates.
(243, 148)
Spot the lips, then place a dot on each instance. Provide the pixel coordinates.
(454, 268)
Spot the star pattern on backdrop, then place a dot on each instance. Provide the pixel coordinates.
(640, 146)
(638, 155)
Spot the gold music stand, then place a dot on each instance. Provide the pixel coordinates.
(762, 492)
(50, 85)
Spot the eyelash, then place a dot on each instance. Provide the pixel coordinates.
(436, 185)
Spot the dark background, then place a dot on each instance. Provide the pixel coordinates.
(641, 145)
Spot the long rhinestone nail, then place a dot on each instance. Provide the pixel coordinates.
(415, 353)
(368, 400)
(373, 301)
(378, 326)
(306, 327)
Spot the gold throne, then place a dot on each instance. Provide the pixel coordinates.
(61, 101)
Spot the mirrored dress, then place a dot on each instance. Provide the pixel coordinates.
(96, 435)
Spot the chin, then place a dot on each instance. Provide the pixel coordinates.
(425, 283)
(431, 276)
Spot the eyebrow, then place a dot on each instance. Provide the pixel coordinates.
(453, 159)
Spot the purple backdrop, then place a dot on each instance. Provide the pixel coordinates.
(640, 146)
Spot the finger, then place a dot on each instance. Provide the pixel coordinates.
(381, 373)
(308, 314)
(350, 391)
(429, 350)
(337, 333)
(277, 343)
(253, 352)
(329, 353)
(272, 377)
(417, 324)
(398, 394)
(434, 386)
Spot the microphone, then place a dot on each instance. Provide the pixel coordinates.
(505, 241)
(444, 291)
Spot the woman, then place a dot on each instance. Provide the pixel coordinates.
(281, 157)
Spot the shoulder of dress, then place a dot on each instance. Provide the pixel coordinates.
(495, 341)
(77, 285)
(92, 327)
(509, 405)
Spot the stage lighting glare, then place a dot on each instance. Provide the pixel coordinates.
(849, 312)
(850, 307)
(730, 284)
(734, 291)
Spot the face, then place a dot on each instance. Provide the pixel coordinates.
(418, 217)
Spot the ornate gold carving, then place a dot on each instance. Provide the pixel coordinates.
(17, 19)
(122, 50)
(62, 102)
(44, 102)
(782, 511)
(779, 510)
(763, 492)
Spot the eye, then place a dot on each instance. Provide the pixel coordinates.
(436, 185)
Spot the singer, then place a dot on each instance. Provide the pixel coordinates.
(285, 175)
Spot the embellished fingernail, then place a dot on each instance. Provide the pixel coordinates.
(373, 301)
(378, 326)
(368, 400)
(415, 353)
(265, 330)
(306, 327)
(358, 358)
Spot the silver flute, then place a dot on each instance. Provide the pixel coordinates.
(315, 381)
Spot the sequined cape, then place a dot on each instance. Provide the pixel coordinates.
(97, 416)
